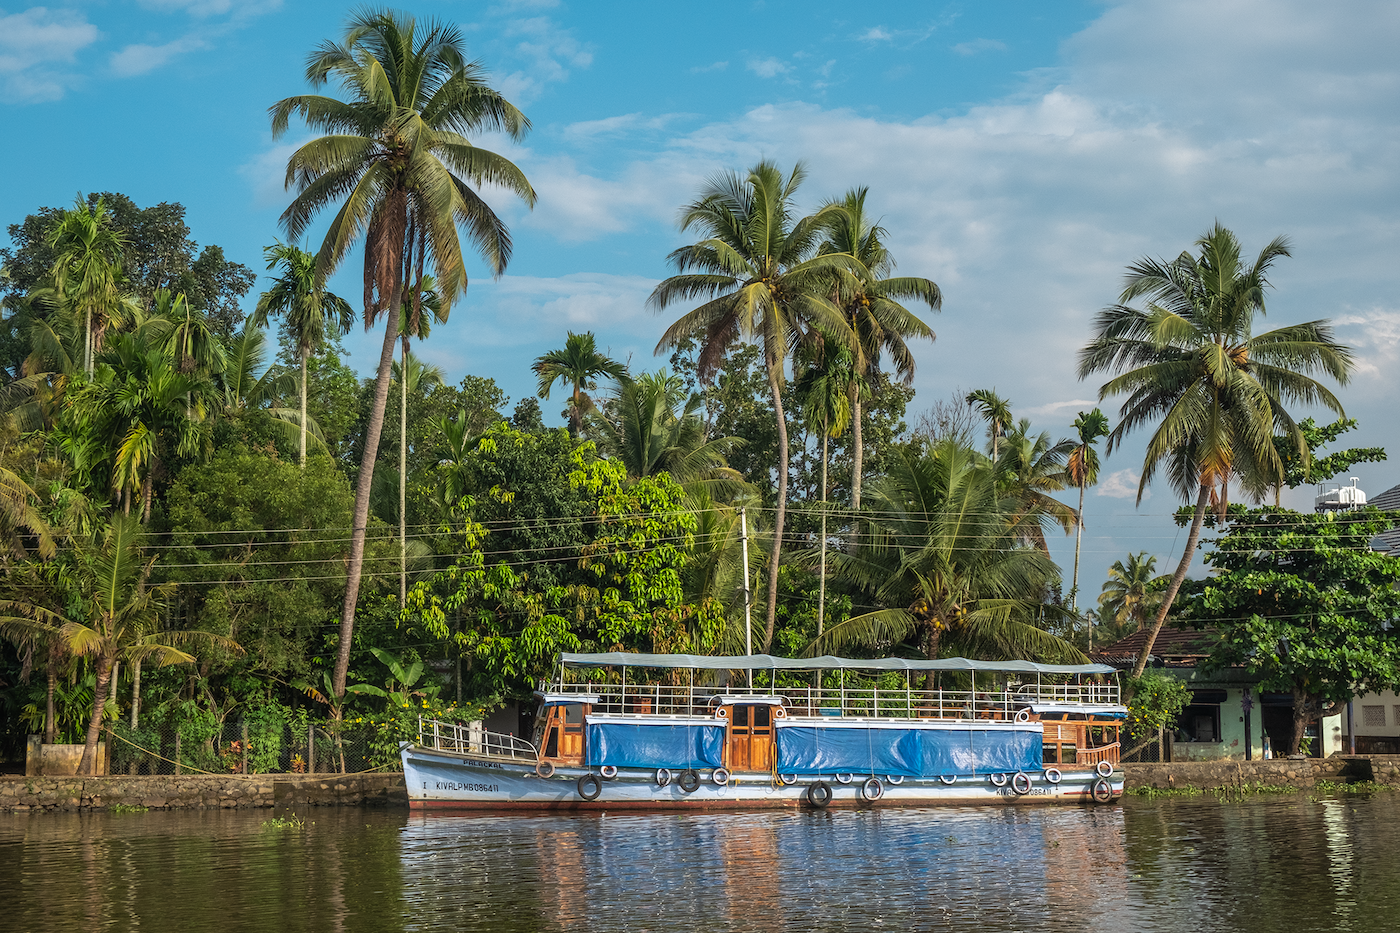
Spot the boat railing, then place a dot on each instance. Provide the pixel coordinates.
(470, 738)
(894, 702)
(1092, 756)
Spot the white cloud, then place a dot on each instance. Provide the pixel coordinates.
(1074, 405)
(140, 59)
(767, 67)
(876, 34)
(1374, 336)
(979, 45)
(548, 51)
(524, 310)
(266, 174)
(1122, 484)
(32, 43)
(716, 66)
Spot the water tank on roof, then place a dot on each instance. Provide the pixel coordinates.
(1333, 497)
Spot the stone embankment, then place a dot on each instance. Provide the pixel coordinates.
(1279, 772)
(201, 792)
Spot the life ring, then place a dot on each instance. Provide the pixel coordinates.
(689, 781)
(949, 779)
(721, 713)
(779, 712)
(998, 779)
(896, 779)
(1102, 791)
(1023, 715)
(844, 778)
(819, 794)
(545, 769)
(872, 789)
(720, 776)
(1052, 775)
(1104, 769)
(787, 779)
(589, 787)
(1021, 783)
(663, 777)
(608, 772)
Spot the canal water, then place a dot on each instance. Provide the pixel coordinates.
(1268, 863)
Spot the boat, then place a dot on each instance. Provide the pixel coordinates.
(621, 730)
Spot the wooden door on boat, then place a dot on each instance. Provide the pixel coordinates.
(563, 733)
(750, 745)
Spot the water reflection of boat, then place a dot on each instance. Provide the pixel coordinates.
(677, 734)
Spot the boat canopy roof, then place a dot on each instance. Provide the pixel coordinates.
(766, 662)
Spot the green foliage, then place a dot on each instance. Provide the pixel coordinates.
(1156, 700)
(1312, 468)
(1302, 602)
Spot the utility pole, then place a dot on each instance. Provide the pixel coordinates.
(748, 596)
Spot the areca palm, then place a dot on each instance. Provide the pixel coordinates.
(1082, 470)
(87, 271)
(413, 376)
(997, 411)
(870, 298)
(827, 386)
(1190, 361)
(945, 556)
(578, 364)
(761, 275)
(307, 310)
(187, 334)
(1030, 468)
(247, 384)
(398, 161)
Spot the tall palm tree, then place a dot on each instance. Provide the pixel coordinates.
(944, 556)
(398, 161)
(870, 298)
(762, 278)
(413, 376)
(247, 384)
(1191, 361)
(87, 271)
(116, 617)
(1129, 594)
(997, 411)
(578, 364)
(307, 309)
(1082, 470)
(828, 384)
(187, 334)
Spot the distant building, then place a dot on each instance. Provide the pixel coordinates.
(1388, 542)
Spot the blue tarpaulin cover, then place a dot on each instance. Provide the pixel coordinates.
(912, 752)
(655, 744)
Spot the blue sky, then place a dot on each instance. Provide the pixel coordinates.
(1020, 153)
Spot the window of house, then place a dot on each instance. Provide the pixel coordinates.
(1397, 715)
(1373, 715)
(1199, 722)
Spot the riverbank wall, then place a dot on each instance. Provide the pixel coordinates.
(201, 792)
(227, 792)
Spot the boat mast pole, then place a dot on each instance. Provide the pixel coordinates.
(748, 596)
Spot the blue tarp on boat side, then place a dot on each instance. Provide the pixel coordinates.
(981, 751)
(655, 744)
(822, 750)
(912, 752)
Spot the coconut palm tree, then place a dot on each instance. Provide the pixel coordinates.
(187, 335)
(307, 309)
(398, 161)
(247, 384)
(412, 376)
(1030, 468)
(762, 279)
(578, 364)
(870, 298)
(1190, 362)
(997, 411)
(87, 271)
(1082, 470)
(944, 554)
(1130, 594)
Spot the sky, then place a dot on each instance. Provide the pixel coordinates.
(1021, 154)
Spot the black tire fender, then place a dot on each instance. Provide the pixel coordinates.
(590, 786)
(819, 794)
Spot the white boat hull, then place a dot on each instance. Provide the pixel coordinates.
(444, 780)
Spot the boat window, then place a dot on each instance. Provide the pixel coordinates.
(552, 749)
(573, 714)
(762, 715)
(741, 715)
